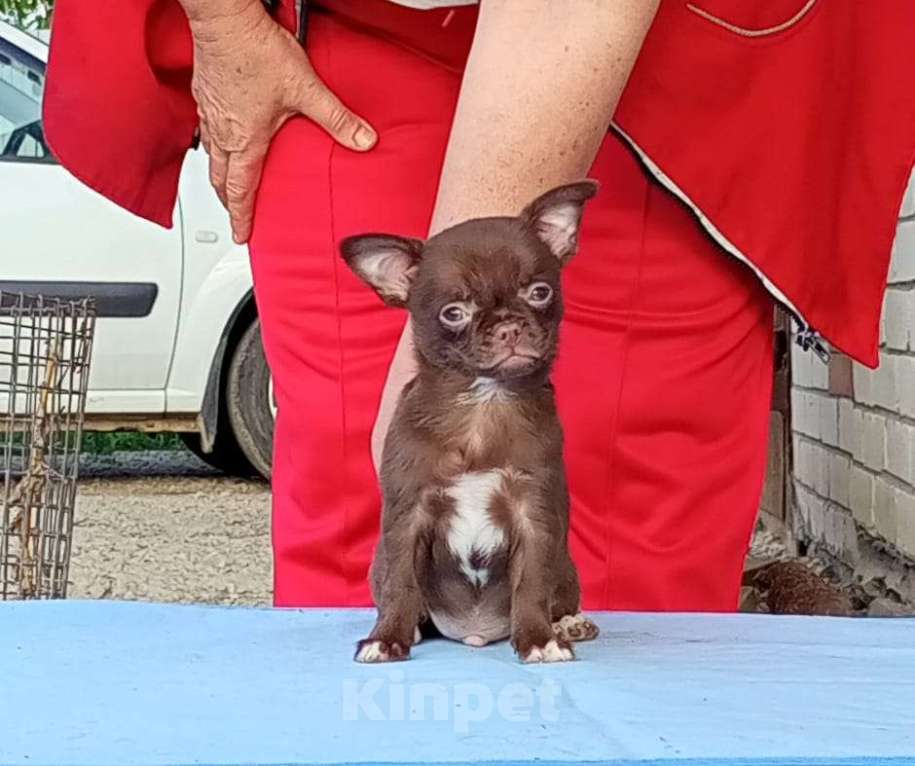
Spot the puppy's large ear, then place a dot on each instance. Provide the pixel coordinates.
(387, 263)
(555, 217)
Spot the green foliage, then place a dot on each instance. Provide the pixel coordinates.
(28, 14)
(104, 443)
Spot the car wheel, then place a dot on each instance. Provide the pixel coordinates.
(226, 455)
(249, 400)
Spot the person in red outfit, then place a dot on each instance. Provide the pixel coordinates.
(749, 154)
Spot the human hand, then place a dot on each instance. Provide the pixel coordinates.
(250, 76)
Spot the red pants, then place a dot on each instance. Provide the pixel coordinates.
(663, 379)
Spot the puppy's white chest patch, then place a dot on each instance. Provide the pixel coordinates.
(472, 530)
(486, 390)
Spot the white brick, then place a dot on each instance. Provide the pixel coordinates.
(912, 462)
(885, 509)
(905, 522)
(829, 420)
(908, 202)
(799, 500)
(862, 496)
(883, 388)
(840, 479)
(828, 524)
(899, 310)
(799, 414)
(900, 442)
(812, 511)
(905, 384)
(808, 370)
(812, 467)
(841, 534)
(849, 426)
(806, 412)
(881, 339)
(873, 441)
(903, 262)
(819, 461)
(863, 381)
(803, 471)
(830, 481)
(812, 414)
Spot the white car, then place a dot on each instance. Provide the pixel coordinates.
(177, 344)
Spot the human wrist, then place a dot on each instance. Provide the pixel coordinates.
(214, 20)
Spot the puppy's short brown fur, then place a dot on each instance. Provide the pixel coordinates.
(476, 508)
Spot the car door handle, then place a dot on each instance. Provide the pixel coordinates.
(206, 237)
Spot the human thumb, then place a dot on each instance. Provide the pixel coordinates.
(321, 105)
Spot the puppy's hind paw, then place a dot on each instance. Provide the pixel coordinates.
(376, 650)
(552, 651)
(575, 627)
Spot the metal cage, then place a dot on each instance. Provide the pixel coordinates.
(45, 348)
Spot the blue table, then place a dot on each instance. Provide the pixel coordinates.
(125, 684)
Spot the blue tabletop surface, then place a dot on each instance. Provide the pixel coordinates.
(128, 684)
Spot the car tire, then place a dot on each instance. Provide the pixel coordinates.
(226, 455)
(248, 393)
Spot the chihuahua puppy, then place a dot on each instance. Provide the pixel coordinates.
(476, 509)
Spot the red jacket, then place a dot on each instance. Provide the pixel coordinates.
(788, 126)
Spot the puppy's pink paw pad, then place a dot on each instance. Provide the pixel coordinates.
(475, 641)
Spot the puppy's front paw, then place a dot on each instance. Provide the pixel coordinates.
(575, 627)
(376, 650)
(555, 650)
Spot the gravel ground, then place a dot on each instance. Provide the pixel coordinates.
(166, 527)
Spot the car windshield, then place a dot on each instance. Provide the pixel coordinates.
(21, 86)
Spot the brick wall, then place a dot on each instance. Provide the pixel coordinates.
(854, 432)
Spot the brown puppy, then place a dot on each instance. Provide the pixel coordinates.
(476, 509)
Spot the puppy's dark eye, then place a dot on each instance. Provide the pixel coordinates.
(454, 316)
(539, 294)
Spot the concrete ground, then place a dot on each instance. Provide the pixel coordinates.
(163, 526)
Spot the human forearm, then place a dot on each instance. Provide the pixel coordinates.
(540, 88)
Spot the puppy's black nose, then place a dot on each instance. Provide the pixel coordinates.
(507, 332)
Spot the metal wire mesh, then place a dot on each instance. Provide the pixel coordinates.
(45, 348)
